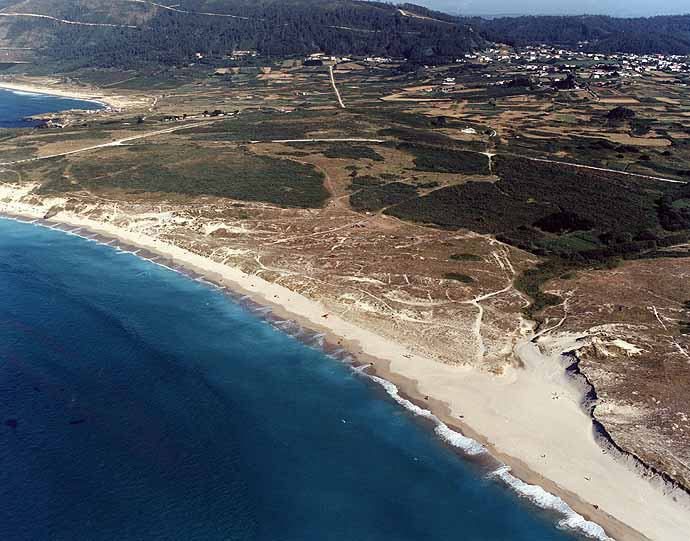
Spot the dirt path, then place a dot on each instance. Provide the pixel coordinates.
(175, 9)
(412, 15)
(110, 144)
(593, 168)
(65, 21)
(178, 10)
(335, 87)
(345, 140)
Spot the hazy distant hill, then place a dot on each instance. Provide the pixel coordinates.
(126, 33)
(667, 35)
(144, 32)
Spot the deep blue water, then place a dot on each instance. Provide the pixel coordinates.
(136, 403)
(14, 106)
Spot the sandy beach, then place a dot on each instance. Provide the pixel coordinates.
(56, 88)
(531, 418)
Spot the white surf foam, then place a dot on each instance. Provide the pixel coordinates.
(362, 368)
(534, 493)
(546, 500)
(467, 445)
(318, 340)
(27, 94)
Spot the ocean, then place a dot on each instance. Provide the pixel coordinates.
(137, 403)
(14, 106)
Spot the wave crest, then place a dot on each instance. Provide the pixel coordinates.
(536, 494)
(546, 500)
(467, 445)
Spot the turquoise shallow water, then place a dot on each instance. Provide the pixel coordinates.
(136, 403)
(14, 106)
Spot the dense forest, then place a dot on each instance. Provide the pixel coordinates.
(217, 27)
(146, 32)
(653, 35)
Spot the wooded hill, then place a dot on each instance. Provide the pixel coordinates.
(144, 32)
(67, 34)
(652, 35)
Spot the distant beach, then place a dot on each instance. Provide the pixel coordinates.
(56, 89)
(18, 106)
(28, 91)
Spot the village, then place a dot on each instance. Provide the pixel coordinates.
(540, 66)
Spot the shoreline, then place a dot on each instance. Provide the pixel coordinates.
(453, 433)
(468, 442)
(109, 103)
(16, 89)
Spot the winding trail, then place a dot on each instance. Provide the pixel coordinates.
(503, 260)
(490, 156)
(477, 328)
(413, 15)
(168, 8)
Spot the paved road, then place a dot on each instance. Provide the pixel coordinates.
(106, 145)
(591, 167)
(332, 140)
(351, 140)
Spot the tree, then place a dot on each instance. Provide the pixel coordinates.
(620, 114)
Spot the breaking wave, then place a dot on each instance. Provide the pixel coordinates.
(537, 495)
(467, 445)
(546, 500)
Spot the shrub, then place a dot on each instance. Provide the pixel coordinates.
(465, 257)
(458, 277)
